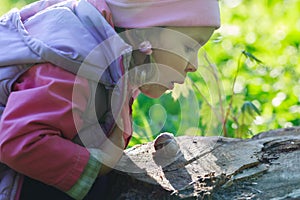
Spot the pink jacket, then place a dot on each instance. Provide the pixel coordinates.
(38, 125)
(40, 118)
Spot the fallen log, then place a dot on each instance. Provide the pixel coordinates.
(264, 167)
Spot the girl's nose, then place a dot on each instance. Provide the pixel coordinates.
(190, 68)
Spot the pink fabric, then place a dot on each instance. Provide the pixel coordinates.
(148, 13)
(127, 132)
(126, 112)
(103, 9)
(37, 126)
(33, 8)
(19, 187)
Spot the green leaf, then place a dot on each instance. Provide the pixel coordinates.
(251, 56)
(208, 117)
(250, 108)
(182, 90)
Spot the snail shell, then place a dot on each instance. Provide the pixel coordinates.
(165, 144)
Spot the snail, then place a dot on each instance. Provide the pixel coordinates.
(166, 145)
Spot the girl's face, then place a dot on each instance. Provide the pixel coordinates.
(176, 56)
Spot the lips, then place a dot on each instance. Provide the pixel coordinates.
(171, 85)
(179, 82)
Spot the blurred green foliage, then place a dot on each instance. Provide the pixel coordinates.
(248, 78)
(6, 5)
(262, 39)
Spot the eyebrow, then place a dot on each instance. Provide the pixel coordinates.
(197, 46)
(199, 42)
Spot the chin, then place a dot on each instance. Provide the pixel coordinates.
(153, 95)
(153, 91)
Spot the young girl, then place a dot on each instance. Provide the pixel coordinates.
(69, 80)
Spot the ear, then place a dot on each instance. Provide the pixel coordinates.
(138, 57)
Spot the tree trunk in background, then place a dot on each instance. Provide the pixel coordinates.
(264, 167)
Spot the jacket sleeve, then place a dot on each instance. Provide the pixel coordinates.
(35, 7)
(38, 124)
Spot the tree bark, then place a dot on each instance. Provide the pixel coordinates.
(264, 167)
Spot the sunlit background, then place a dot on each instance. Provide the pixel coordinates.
(248, 80)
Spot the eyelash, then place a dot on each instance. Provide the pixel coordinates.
(188, 49)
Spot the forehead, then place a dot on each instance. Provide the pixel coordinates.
(200, 34)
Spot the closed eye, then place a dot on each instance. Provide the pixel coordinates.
(188, 49)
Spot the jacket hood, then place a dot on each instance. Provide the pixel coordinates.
(72, 35)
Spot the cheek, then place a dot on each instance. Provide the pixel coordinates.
(171, 60)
